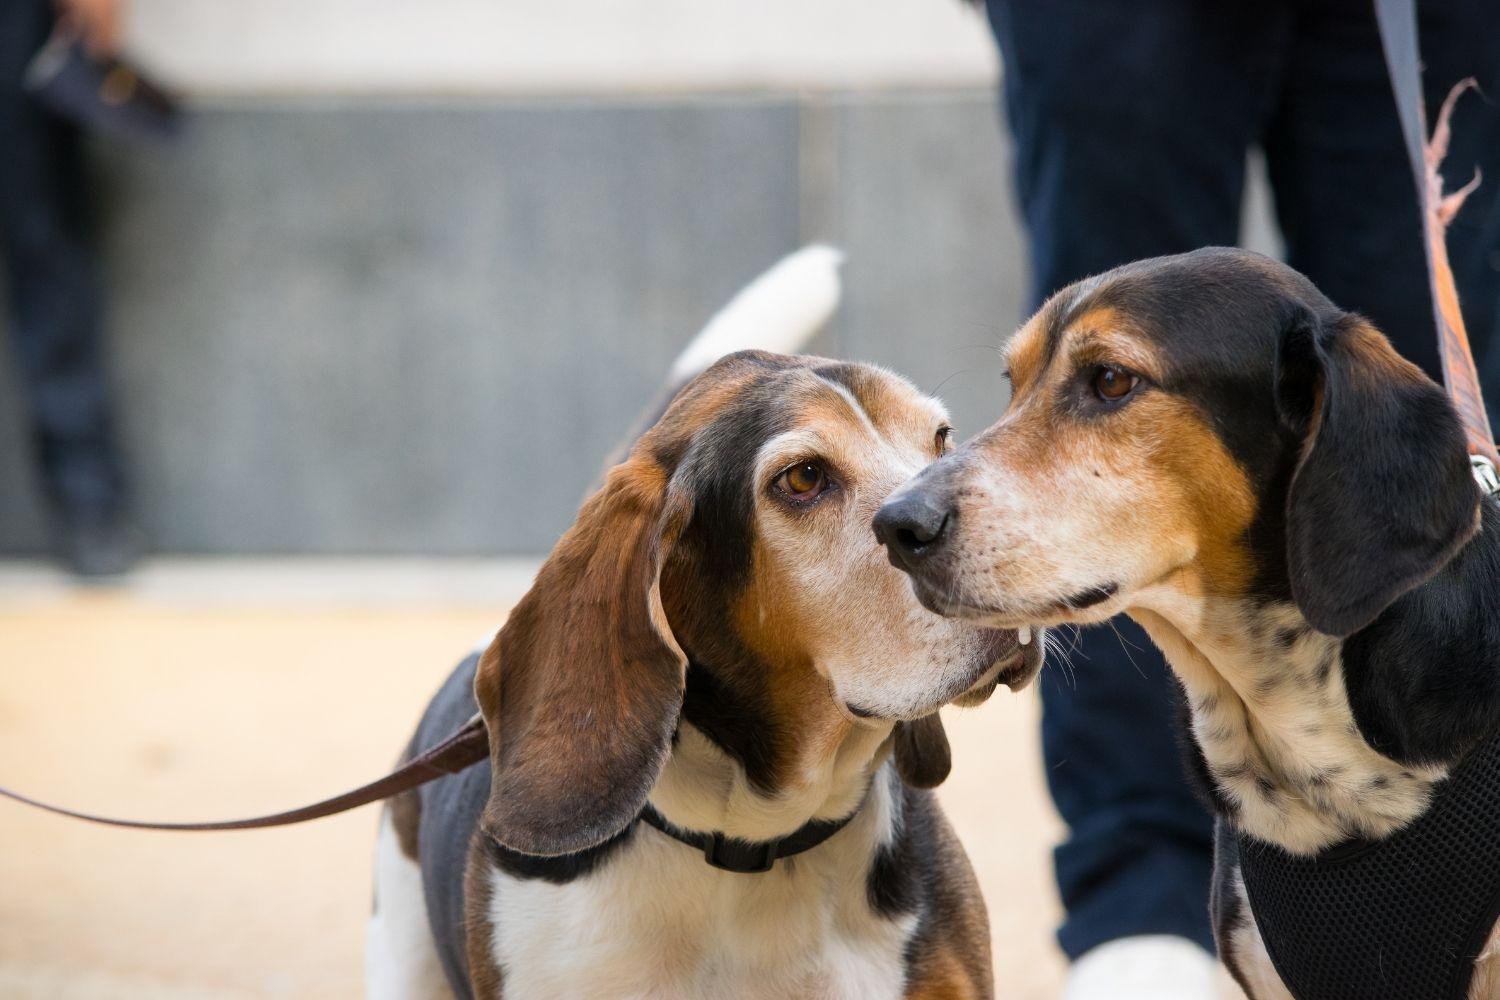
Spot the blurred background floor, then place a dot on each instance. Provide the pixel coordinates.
(218, 688)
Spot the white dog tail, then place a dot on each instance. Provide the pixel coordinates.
(779, 311)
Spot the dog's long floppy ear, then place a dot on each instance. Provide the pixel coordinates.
(923, 758)
(582, 688)
(1383, 495)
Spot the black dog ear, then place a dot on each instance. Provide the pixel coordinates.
(1382, 496)
(923, 758)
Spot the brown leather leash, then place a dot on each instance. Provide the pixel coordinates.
(467, 747)
(1398, 35)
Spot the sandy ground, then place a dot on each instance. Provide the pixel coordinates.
(181, 699)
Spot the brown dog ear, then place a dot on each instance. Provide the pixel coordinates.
(582, 688)
(923, 758)
(1382, 497)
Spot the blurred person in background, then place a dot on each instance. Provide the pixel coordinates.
(1131, 124)
(52, 272)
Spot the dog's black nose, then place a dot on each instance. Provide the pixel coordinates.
(911, 527)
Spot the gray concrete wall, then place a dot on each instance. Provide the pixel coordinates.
(417, 327)
(576, 47)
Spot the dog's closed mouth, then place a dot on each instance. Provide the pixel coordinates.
(1027, 662)
(1089, 598)
(1015, 672)
(1028, 620)
(1012, 674)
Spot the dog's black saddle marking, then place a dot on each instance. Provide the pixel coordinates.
(1401, 917)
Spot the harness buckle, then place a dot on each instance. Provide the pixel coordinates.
(739, 856)
(1485, 474)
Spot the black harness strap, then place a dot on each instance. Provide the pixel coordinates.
(1403, 917)
(745, 856)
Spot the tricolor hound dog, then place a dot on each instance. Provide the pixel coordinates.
(1209, 445)
(718, 654)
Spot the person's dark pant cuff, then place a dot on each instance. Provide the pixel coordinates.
(1163, 891)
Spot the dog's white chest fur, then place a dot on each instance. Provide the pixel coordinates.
(657, 921)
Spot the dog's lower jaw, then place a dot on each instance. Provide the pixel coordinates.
(1021, 669)
(1271, 717)
(1006, 672)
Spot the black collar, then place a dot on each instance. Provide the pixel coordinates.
(748, 857)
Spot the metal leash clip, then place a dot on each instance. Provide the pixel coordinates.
(1485, 474)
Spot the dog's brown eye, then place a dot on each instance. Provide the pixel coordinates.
(944, 435)
(1113, 384)
(803, 481)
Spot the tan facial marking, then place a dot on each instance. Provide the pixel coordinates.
(1063, 485)
(1026, 352)
(783, 635)
(1159, 479)
(1187, 459)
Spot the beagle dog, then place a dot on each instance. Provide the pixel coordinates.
(713, 726)
(1206, 443)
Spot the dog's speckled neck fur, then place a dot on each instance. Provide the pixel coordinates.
(1272, 720)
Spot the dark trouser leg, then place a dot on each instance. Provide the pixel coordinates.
(53, 279)
(1139, 853)
(1344, 191)
(1131, 124)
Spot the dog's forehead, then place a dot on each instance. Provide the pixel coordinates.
(1042, 339)
(712, 435)
(1211, 310)
(738, 404)
(896, 408)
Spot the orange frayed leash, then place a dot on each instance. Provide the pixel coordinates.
(1398, 35)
